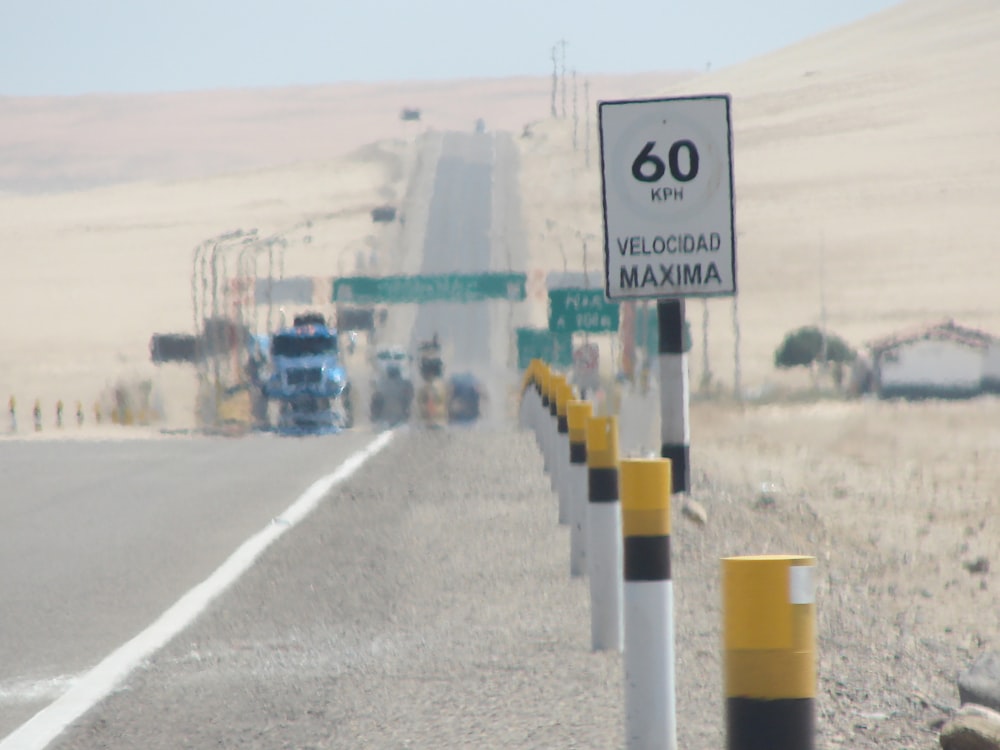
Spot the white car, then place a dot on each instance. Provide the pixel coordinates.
(387, 355)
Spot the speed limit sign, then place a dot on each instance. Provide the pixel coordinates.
(667, 178)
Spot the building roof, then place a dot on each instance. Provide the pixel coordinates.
(946, 330)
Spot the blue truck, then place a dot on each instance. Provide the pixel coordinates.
(304, 383)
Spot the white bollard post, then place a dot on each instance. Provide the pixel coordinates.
(650, 699)
(543, 418)
(604, 535)
(564, 394)
(528, 390)
(553, 428)
(577, 414)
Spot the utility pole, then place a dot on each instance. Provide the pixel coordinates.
(822, 302)
(555, 81)
(562, 44)
(586, 127)
(575, 119)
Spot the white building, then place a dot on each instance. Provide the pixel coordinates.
(939, 361)
(991, 368)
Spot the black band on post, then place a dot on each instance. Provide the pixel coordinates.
(770, 724)
(603, 485)
(680, 466)
(670, 318)
(647, 558)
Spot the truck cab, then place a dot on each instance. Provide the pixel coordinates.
(307, 380)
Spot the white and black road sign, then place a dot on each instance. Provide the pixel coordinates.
(667, 178)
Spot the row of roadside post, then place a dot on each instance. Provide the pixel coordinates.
(37, 418)
(618, 514)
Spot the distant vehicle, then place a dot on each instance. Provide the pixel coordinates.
(392, 396)
(389, 355)
(432, 395)
(465, 397)
(409, 114)
(306, 379)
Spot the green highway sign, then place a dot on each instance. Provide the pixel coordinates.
(582, 310)
(538, 343)
(447, 287)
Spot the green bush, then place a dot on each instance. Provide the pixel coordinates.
(803, 347)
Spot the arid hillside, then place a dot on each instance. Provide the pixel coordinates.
(70, 143)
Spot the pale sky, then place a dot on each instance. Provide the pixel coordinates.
(67, 47)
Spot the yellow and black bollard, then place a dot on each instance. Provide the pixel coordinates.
(528, 378)
(545, 428)
(577, 414)
(532, 396)
(564, 393)
(769, 634)
(524, 395)
(554, 384)
(604, 534)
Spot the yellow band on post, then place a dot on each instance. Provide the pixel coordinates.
(564, 394)
(769, 626)
(577, 414)
(645, 490)
(602, 442)
(530, 376)
(554, 380)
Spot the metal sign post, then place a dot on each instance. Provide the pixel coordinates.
(669, 230)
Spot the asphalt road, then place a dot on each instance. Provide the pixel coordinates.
(471, 218)
(97, 539)
(458, 241)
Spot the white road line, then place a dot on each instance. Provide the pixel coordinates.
(88, 690)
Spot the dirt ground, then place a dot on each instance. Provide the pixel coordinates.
(894, 500)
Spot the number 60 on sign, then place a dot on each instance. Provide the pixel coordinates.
(667, 178)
